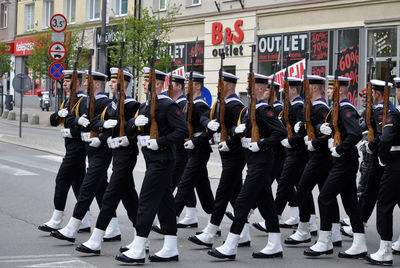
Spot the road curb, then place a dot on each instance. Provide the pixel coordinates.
(17, 141)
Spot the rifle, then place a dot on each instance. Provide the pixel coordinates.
(272, 85)
(370, 75)
(251, 83)
(220, 108)
(337, 138)
(307, 97)
(74, 78)
(386, 90)
(189, 106)
(286, 108)
(170, 88)
(152, 88)
(90, 88)
(121, 87)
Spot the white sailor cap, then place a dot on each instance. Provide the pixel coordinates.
(159, 75)
(228, 77)
(68, 74)
(397, 81)
(197, 77)
(294, 81)
(315, 79)
(114, 74)
(177, 78)
(379, 84)
(343, 81)
(260, 79)
(97, 75)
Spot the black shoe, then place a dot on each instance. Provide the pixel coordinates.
(197, 241)
(123, 258)
(217, 234)
(123, 249)
(314, 233)
(342, 223)
(375, 262)
(60, 236)
(291, 241)
(288, 226)
(111, 239)
(182, 225)
(311, 253)
(158, 230)
(215, 253)
(46, 228)
(84, 230)
(244, 244)
(344, 233)
(84, 249)
(395, 252)
(344, 255)
(155, 258)
(337, 244)
(230, 215)
(259, 227)
(260, 255)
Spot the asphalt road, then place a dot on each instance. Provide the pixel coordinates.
(26, 193)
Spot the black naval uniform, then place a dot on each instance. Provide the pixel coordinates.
(295, 161)
(256, 190)
(73, 167)
(95, 181)
(121, 185)
(279, 156)
(318, 165)
(389, 188)
(233, 161)
(342, 176)
(195, 174)
(156, 192)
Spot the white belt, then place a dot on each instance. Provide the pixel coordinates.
(66, 133)
(85, 136)
(142, 140)
(245, 142)
(395, 148)
(217, 137)
(197, 134)
(113, 143)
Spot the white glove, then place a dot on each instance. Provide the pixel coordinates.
(334, 153)
(325, 129)
(253, 146)
(110, 123)
(310, 147)
(123, 141)
(367, 149)
(380, 162)
(297, 127)
(152, 145)
(330, 143)
(305, 140)
(66, 133)
(189, 145)
(141, 120)
(83, 121)
(285, 143)
(365, 133)
(94, 142)
(240, 129)
(62, 112)
(213, 125)
(361, 145)
(223, 147)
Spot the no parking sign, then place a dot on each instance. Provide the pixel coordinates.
(56, 70)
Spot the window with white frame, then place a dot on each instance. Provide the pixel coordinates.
(196, 2)
(120, 7)
(162, 4)
(94, 9)
(70, 6)
(29, 17)
(3, 16)
(48, 12)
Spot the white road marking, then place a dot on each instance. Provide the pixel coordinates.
(35, 256)
(28, 165)
(71, 263)
(50, 157)
(16, 171)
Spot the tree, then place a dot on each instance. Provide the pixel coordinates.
(5, 60)
(139, 37)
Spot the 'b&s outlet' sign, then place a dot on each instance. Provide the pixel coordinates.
(236, 36)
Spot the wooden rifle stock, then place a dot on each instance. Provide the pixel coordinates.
(121, 102)
(91, 102)
(271, 95)
(337, 138)
(170, 90)
(221, 113)
(286, 109)
(310, 127)
(153, 101)
(190, 109)
(72, 90)
(368, 113)
(255, 132)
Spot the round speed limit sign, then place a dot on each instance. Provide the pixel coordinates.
(58, 23)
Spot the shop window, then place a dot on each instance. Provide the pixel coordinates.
(29, 17)
(70, 6)
(94, 9)
(120, 7)
(229, 69)
(48, 11)
(3, 15)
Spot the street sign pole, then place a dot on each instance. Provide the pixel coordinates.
(21, 84)
(20, 114)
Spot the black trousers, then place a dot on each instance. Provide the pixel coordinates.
(120, 187)
(95, 182)
(369, 196)
(291, 173)
(256, 190)
(71, 173)
(156, 197)
(195, 175)
(230, 183)
(388, 197)
(180, 163)
(341, 180)
(315, 173)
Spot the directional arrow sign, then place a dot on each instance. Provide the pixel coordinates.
(57, 51)
(56, 70)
